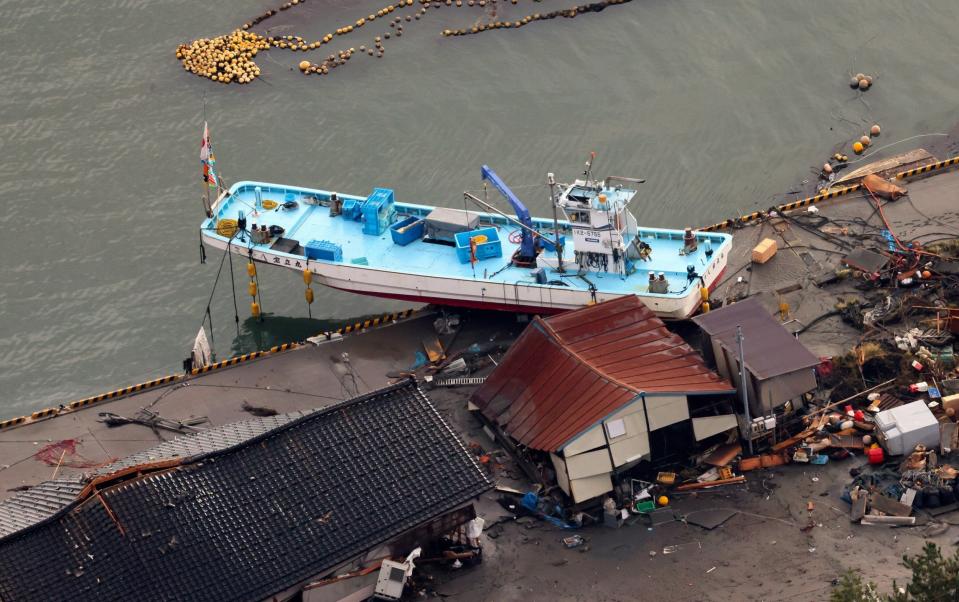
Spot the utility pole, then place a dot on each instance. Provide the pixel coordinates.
(742, 386)
(551, 180)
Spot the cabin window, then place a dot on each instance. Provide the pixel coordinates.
(616, 428)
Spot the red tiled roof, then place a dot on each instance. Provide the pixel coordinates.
(566, 373)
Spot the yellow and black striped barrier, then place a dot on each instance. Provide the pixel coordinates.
(45, 413)
(373, 322)
(233, 361)
(82, 403)
(12, 422)
(928, 168)
(356, 327)
(806, 202)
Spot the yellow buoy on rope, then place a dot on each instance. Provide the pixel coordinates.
(251, 269)
(251, 288)
(309, 296)
(255, 309)
(307, 277)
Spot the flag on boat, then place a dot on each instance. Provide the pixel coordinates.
(207, 160)
(205, 144)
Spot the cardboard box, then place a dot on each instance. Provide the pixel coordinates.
(764, 251)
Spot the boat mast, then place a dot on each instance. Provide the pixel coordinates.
(551, 180)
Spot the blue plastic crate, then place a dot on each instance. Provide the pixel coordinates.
(415, 229)
(484, 250)
(323, 250)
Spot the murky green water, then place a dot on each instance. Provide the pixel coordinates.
(721, 105)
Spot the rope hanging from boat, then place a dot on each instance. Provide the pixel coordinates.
(208, 314)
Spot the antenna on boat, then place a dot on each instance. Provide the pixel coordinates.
(589, 167)
(551, 181)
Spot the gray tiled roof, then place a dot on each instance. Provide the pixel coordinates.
(255, 519)
(209, 440)
(42, 501)
(37, 503)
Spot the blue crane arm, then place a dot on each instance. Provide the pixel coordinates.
(527, 248)
(522, 213)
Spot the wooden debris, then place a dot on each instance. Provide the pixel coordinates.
(724, 454)
(889, 506)
(858, 509)
(761, 461)
(764, 251)
(711, 484)
(845, 441)
(434, 350)
(888, 521)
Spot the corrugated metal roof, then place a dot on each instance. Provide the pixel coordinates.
(255, 519)
(768, 348)
(566, 373)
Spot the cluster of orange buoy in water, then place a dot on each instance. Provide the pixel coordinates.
(228, 58)
(860, 82)
(224, 59)
(859, 146)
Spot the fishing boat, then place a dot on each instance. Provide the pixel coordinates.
(591, 250)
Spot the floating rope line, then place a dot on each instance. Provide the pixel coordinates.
(229, 58)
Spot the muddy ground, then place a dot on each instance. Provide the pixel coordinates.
(766, 551)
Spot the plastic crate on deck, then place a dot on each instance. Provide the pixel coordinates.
(324, 250)
(489, 248)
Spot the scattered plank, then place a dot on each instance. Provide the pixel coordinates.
(858, 510)
(761, 461)
(889, 506)
(888, 521)
(724, 454)
(711, 484)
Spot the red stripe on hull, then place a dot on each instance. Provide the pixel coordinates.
(529, 309)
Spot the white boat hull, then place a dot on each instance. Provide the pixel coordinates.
(468, 292)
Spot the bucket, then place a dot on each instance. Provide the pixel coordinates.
(875, 455)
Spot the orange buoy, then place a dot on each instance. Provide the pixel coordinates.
(858, 147)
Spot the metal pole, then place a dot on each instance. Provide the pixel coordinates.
(494, 209)
(742, 386)
(551, 180)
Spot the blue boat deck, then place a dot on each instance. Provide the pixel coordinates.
(311, 222)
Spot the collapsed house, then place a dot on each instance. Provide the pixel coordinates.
(246, 511)
(600, 389)
(779, 368)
